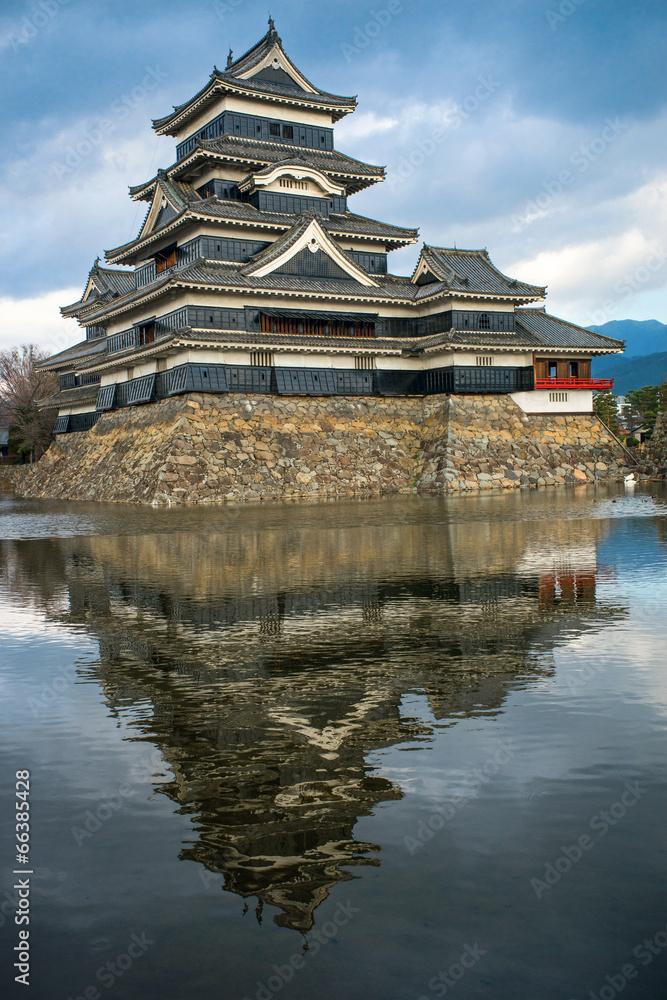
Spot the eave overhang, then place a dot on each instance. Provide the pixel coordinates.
(192, 338)
(222, 84)
(448, 267)
(352, 181)
(130, 251)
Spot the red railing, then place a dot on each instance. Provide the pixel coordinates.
(597, 384)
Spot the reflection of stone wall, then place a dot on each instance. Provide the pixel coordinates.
(211, 448)
(266, 662)
(260, 558)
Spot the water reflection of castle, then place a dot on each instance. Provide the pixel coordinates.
(269, 664)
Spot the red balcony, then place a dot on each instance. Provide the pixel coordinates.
(596, 384)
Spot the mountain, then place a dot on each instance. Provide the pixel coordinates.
(645, 358)
(642, 336)
(631, 373)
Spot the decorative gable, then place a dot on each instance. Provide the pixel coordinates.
(275, 67)
(307, 237)
(162, 210)
(292, 176)
(312, 264)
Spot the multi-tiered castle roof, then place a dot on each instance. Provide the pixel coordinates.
(251, 273)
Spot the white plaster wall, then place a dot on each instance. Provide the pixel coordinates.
(438, 359)
(145, 368)
(398, 363)
(537, 401)
(209, 356)
(363, 246)
(65, 411)
(224, 172)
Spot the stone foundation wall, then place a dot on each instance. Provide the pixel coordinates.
(12, 477)
(491, 442)
(653, 461)
(208, 448)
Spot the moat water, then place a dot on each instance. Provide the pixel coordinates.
(397, 749)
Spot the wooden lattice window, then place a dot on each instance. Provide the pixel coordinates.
(313, 326)
(365, 362)
(263, 359)
(484, 361)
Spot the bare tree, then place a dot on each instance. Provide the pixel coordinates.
(22, 385)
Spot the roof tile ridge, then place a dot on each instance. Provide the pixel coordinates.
(512, 281)
(270, 34)
(367, 218)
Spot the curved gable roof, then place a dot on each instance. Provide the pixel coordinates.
(237, 78)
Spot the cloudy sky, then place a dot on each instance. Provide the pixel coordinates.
(535, 128)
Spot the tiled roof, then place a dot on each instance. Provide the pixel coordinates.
(107, 284)
(71, 397)
(66, 358)
(257, 154)
(287, 161)
(117, 281)
(549, 331)
(535, 329)
(261, 152)
(257, 53)
(230, 80)
(280, 245)
(471, 271)
(205, 273)
(284, 340)
(347, 224)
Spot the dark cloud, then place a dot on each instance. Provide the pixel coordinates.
(519, 90)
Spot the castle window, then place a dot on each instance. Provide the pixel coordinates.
(164, 259)
(288, 132)
(484, 361)
(574, 369)
(274, 128)
(558, 397)
(365, 362)
(553, 369)
(484, 322)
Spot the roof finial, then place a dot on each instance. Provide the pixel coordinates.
(272, 26)
(229, 58)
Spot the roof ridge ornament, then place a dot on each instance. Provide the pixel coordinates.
(272, 26)
(229, 58)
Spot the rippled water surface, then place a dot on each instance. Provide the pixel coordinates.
(397, 749)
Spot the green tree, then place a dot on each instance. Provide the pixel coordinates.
(644, 405)
(22, 386)
(605, 404)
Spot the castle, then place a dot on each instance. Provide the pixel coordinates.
(250, 274)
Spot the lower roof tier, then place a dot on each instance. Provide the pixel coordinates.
(526, 330)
